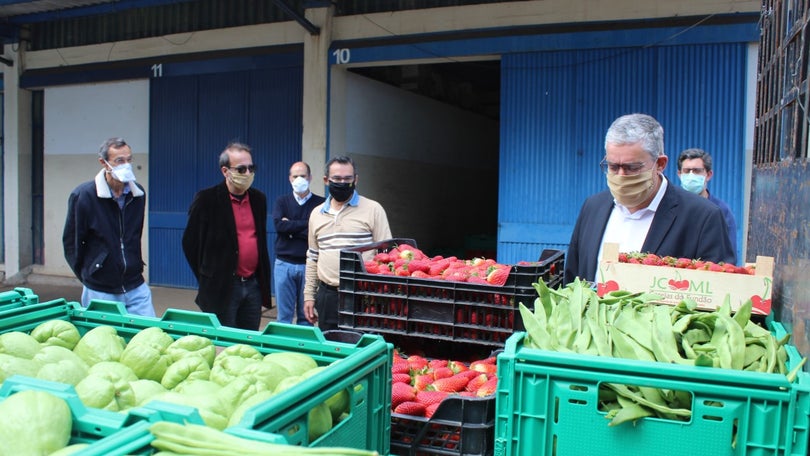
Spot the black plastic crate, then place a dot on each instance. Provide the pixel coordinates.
(460, 426)
(438, 309)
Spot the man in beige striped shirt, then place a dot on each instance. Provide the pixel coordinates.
(345, 220)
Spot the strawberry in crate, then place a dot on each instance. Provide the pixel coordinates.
(651, 259)
(408, 261)
(419, 385)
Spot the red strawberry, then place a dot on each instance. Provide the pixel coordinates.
(401, 392)
(478, 280)
(401, 378)
(420, 382)
(410, 408)
(451, 384)
(457, 366)
(417, 362)
(420, 275)
(488, 388)
(442, 372)
(683, 263)
(435, 363)
(476, 382)
(382, 257)
(651, 260)
(431, 409)
(489, 369)
(372, 267)
(431, 397)
(400, 367)
(419, 265)
(498, 276)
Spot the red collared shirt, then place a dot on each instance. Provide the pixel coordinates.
(245, 236)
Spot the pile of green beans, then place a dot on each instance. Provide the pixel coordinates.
(629, 325)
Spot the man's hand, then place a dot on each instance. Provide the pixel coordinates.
(309, 312)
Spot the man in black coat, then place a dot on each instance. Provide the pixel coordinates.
(225, 243)
(642, 211)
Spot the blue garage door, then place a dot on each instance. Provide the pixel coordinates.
(192, 118)
(556, 107)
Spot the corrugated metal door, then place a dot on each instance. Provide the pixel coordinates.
(556, 107)
(192, 119)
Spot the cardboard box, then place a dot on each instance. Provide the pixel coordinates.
(708, 289)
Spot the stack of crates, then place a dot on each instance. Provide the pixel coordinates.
(442, 319)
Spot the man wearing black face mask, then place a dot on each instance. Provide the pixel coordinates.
(344, 220)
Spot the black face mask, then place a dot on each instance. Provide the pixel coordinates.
(341, 191)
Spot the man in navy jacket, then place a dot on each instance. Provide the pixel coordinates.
(642, 211)
(102, 234)
(291, 218)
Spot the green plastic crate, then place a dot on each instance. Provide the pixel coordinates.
(364, 368)
(547, 403)
(101, 429)
(15, 298)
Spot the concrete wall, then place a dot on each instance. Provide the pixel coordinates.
(77, 120)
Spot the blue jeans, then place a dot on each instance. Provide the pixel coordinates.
(288, 280)
(138, 301)
(245, 309)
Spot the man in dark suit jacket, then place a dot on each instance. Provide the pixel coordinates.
(225, 243)
(641, 211)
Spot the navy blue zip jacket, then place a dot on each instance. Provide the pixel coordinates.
(102, 242)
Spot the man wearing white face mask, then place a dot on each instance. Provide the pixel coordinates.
(695, 172)
(225, 243)
(102, 234)
(291, 218)
(641, 211)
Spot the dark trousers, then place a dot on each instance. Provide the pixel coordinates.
(326, 304)
(245, 308)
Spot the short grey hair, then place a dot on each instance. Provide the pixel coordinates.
(114, 143)
(637, 128)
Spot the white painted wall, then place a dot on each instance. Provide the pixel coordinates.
(78, 119)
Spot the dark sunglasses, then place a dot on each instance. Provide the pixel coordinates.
(242, 169)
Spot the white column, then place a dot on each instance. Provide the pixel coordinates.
(16, 170)
(316, 80)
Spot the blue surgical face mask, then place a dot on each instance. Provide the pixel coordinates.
(693, 182)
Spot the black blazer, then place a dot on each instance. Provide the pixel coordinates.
(685, 225)
(211, 249)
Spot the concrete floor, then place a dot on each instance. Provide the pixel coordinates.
(48, 288)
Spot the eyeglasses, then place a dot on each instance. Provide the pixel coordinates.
(341, 179)
(693, 171)
(242, 169)
(121, 160)
(630, 169)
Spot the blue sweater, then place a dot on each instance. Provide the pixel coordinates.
(291, 239)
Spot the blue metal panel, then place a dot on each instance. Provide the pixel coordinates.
(192, 120)
(556, 107)
(703, 105)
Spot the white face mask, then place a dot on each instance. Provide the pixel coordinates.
(122, 172)
(300, 185)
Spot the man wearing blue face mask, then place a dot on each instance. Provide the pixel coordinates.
(291, 219)
(102, 234)
(695, 172)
